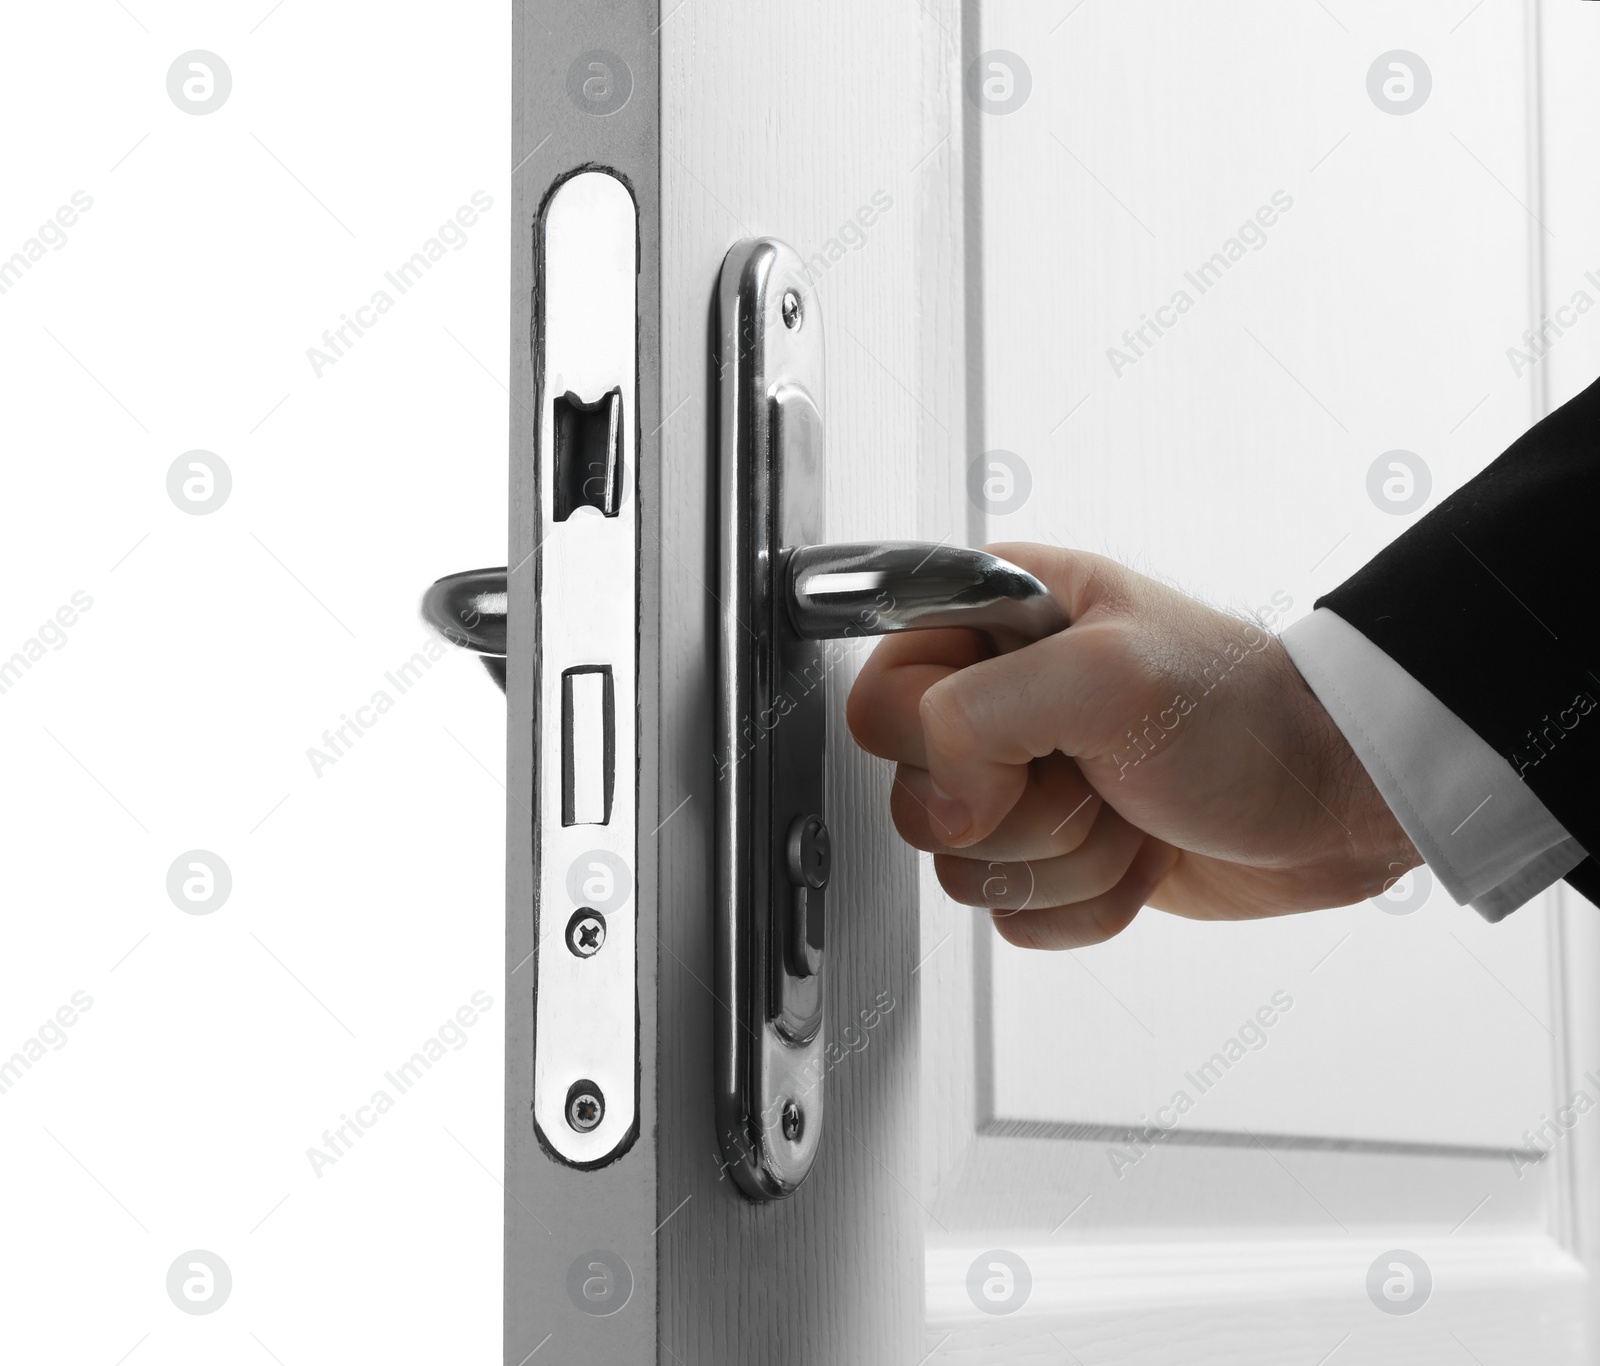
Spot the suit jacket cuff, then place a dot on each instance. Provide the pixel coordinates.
(1487, 838)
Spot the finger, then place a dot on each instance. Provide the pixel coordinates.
(882, 709)
(1098, 919)
(1053, 816)
(1011, 887)
(1072, 692)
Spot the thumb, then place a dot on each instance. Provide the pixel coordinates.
(1082, 583)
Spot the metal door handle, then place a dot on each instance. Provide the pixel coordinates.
(782, 594)
(469, 610)
(913, 586)
(831, 592)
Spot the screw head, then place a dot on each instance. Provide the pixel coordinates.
(586, 1107)
(586, 932)
(794, 1122)
(793, 311)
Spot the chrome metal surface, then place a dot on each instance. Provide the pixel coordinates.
(588, 746)
(469, 609)
(586, 572)
(875, 588)
(586, 933)
(771, 726)
(586, 1107)
(834, 591)
(781, 594)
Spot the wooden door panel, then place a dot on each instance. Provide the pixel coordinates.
(1390, 262)
(816, 126)
(1229, 454)
(1352, 1025)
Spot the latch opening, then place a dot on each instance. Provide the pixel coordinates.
(588, 745)
(588, 454)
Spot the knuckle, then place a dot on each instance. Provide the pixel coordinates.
(956, 876)
(910, 819)
(948, 723)
(1071, 834)
(1109, 921)
(1101, 870)
(1006, 885)
(862, 713)
(1025, 931)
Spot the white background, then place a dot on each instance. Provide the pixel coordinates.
(366, 903)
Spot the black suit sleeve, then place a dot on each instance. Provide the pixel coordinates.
(1490, 603)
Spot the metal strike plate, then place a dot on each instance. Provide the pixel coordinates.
(771, 727)
(585, 969)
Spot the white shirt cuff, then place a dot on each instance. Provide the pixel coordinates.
(1487, 838)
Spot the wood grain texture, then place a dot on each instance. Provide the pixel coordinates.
(802, 124)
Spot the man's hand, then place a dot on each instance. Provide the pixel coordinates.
(1157, 752)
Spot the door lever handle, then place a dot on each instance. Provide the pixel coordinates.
(469, 610)
(831, 592)
(875, 588)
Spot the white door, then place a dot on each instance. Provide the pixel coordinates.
(189, 1089)
(1225, 258)
(829, 128)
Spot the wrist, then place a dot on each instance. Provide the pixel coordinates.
(1374, 848)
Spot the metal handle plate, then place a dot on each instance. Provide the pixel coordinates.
(782, 597)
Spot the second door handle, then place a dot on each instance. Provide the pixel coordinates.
(831, 592)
